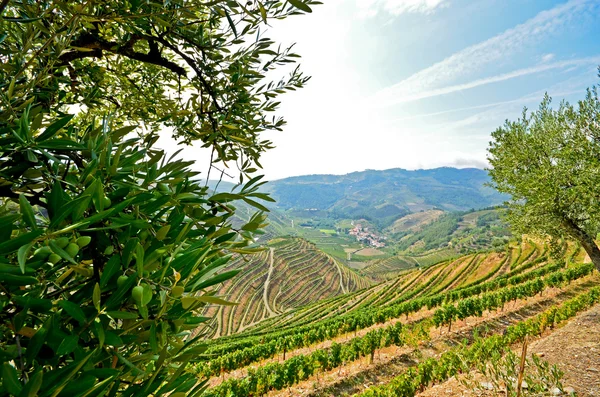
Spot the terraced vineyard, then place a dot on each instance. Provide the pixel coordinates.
(444, 276)
(289, 273)
(331, 346)
(389, 268)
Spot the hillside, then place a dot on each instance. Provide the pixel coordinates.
(414, 222)
(293, 272)
(418, 239)
(384, 234)
(408, 333)
(460, 231)
(288, 274)
(444, 276)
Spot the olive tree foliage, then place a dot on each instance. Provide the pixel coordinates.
(549, 162)
(109, 246)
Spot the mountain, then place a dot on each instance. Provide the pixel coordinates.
(387, 195)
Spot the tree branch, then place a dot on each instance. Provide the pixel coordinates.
(192, 63)
(99, 45)
(6, 192)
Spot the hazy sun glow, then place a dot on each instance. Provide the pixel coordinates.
(422, 83)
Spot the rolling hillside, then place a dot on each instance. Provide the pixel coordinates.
(408, 333)
(289, 273)
(461, 231)
(414, 222)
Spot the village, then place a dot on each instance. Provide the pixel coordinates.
(365, 236)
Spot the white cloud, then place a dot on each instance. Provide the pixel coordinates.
(332, 129)
(370, 8)
(478, 122)
(441, 78)
(468, 162)
(393, 99)
(534, 97)
(548, 57)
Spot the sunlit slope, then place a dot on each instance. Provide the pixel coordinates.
(331, 346)
(414, 222)
(389, 268)
(463, 232)
(289, 273)
(448, 275)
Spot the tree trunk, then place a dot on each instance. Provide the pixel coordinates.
(587, 242)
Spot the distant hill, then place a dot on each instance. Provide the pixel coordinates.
(396, 202)
(414, 222)
(468, 231)
(385, 196)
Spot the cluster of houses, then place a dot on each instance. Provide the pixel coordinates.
(367, 237)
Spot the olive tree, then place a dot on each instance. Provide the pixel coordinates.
(108, 245)
(549, 162)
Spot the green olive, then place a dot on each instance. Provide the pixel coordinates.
(106, 202)
(109, 250)
(62, 242)
(121, 280)
(42, 252)
(137, 293)
(54, 259)
(143, 235)
(72, 249)
(83, 241)
(147, 295)
(198, 212)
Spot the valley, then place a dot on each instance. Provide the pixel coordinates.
(340, 306)
(418, 216)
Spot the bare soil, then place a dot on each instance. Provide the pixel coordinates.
(369, 252)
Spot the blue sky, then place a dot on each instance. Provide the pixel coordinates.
(423, 83)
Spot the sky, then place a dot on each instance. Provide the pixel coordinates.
(423, 83)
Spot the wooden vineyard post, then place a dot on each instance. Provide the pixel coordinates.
(522, 367)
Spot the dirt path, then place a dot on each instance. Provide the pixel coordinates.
(574, 348)
(339, 270)
(266, 285)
